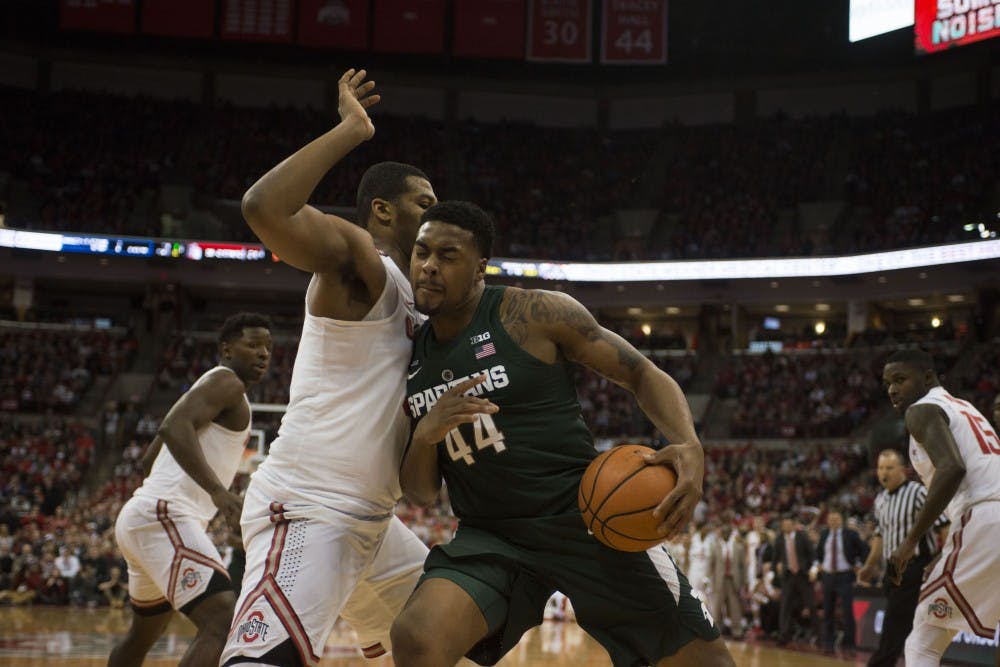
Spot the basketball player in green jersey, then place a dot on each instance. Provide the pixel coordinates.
(491, 385)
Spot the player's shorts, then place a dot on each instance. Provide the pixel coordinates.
(171, 560)
(639, 606)
(307, 564)
(960, 592)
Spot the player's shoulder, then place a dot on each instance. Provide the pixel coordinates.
(537, 304)
(220, 380)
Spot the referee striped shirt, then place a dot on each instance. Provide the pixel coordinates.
(896, 511)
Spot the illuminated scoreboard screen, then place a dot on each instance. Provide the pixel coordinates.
(942, 24)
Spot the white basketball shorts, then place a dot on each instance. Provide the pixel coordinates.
(170, 557)
(960, 592)
(307, 564)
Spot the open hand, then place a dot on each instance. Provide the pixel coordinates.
(355, 98)
(677, 508)
(452, 409)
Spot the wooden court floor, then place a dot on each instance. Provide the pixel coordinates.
(60, 637)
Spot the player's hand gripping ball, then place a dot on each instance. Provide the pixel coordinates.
(618, 494)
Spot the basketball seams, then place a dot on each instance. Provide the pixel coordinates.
(614, 530)
(593, 487)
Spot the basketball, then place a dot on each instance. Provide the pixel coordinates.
(618, 494)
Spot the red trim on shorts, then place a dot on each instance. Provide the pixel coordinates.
(373, 651)
(947, 581)
(268, 588)
(181, 551)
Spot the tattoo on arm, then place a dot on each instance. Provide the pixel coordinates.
(514, 314)
(628, 356)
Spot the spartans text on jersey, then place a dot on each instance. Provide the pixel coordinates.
(422, 401)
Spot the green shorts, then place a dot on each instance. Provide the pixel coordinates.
(639, 606)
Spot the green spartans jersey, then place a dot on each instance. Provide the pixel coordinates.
(525, 460)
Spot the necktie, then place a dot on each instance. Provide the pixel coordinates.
(836, 561)
(793, 558)
(728, 561)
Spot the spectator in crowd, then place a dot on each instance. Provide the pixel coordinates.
(840, 554)
(794, 553)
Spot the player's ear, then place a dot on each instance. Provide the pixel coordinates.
(481, 269)
(382, 211)
(225, 350)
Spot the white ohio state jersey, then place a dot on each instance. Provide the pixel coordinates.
(978, 445)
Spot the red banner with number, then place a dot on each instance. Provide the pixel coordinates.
(178, 18)
(409, 26)
(489, 28)
(258, 20)
(98, 15)
(338, 24)
(634, 32)
(941, 24)
(560, 30)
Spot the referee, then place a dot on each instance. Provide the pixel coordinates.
(896, 507)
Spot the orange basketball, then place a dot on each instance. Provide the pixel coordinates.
(618, 494)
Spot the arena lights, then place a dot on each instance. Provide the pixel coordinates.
(800, 267)
(98, 244)
(617, 272)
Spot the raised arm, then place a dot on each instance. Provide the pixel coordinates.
(275, 206)
(201, 404)
(559, 318)
(928, 424)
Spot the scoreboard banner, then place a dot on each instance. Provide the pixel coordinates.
(178, 18)
(116, 16)
(258, 20)
(489, 28)
(634, 32)
(409, 26)
(560, 30)
(338, 25)
(941, 24)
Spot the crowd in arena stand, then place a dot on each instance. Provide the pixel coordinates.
(100, 163)
(43, 370)
(794, 395)
(187, 358)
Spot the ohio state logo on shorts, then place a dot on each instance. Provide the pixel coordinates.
(939, 608)
(253, 628)
(190, 578)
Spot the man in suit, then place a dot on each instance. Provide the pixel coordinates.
(793, 554)
(841, 553)
(728, 575)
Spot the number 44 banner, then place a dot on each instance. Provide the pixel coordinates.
(634, 32)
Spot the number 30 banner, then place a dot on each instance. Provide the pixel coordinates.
(560, 30)
(634, 32)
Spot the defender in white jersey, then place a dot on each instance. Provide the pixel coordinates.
(957, 455)
(321, 539)
(172, 563)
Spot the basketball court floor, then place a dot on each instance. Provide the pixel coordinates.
(61, 637)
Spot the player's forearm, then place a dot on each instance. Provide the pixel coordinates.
(419, 475)
(149, 456)
(663, 402)
(286, 188)
(947, 479)
(875, 554)
(182, 442)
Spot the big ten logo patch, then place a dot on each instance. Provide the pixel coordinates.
(253, 628)
(939, 608)
(190, 578)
